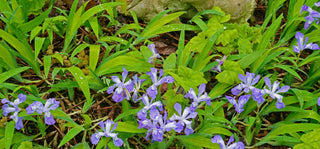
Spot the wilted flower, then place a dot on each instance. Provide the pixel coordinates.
(301, 46)
(137, 84)
(158, 126)
(183, 119)
(257, 95)
(14, 108)
(155, 55)
(218, 139)
(106, 126)
(247, 83)
(202, 96)
(274, 90)
(242, 100)
(313, 15)
(51, 104)
(152, 90)
(220, 63)
(123, 88)
(142, 114)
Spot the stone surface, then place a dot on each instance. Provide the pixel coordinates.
(147, 9)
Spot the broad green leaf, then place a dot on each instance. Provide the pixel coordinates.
(198, 141)
(289, 70)
(231, 72)
(171, 99)
(303, 114)
(94, 56)
(130, 127)
(82, 82)
(71, 134)
(9, 131)
(46, 65)
(84, 145)
(212, 130)
(170, 62)
(311, 140)
(8, 74)
(25, 145)
(94, 25)
(38, 45)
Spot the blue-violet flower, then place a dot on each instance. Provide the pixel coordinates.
(247, 83)
(257, 96)
(313, 15)
(220, 63)
(123, 88)
(51, 104)
(274, 90)
(218, 139)
(137, 84)
(106, 126)
(303, 45)
(14, 108)
(242, 100)
(155, 55)
(152, 90)
(183, 119)
(142, 114)
(202, 96)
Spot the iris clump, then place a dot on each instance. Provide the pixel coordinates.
(9, 107)
(38, 107)
(313, 15)
(157, 81)
(107, 132)
(183, 119)
(202, 96)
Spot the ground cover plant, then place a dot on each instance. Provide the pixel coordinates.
(83, 76)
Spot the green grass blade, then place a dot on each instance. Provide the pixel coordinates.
(71, 134)
(46, 65)
(9, 131)
(8, 74)
(94, 56)
(38, 45)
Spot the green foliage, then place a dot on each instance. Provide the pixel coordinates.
(310, 140)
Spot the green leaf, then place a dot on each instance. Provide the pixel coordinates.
(303, 114)
(94, 25)
(289, 70)
(38, 45)
(25, 145)
(9, 131)
(170, 62)
(197, 141)
(245, 46)
(82, 82)
(301, 95)
(8, 74)
(171, 100)
(71, 134)
(130, 127)
(94, 56)
(46, 65)
(231, 72)
(311, 140)
(211, 129)
(84, 145)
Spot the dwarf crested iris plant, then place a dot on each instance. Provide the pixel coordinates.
(123, 88)
(155, 55)
(50, 105)
(142, 114)
(239, 105)
(313, 15)
(218, 139)
(9, 107)
(274, 90)
(183, 119)
(303, 44)
(202, 96)
(107, 132)
(152, 90)
(247, 83)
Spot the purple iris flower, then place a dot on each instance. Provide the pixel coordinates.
(137, 84)
(301, 46)
(9, 107)
(158, 126)
(106, 126)
(152, 90)
(220, 63)
(317, 4)
(274, 91)
(218, 139)
(247, 83)
(313, 15)
(242, 100)
(142, 114)
(51, 104)
(155, 55)
(123, 88)
(257, 96)
(202, 96)
(183, 119)
(319, 101)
